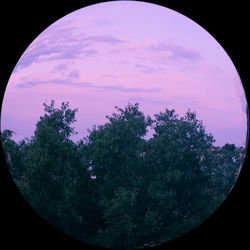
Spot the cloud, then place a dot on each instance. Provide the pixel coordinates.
(72, 51)
(124, 62)
(74, 74)
(109, 76)
(149, 100)
(192, 101)
(62, 42)
(100, 22)
(104, 39)
(60, 67)
(147, 69)
(54, 40)
(47, 53)
(115, 51)
(35, 55)
(127, 90)
(32, 83)
(177, 52)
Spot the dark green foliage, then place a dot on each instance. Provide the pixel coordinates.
(114, 188)
(14, 154)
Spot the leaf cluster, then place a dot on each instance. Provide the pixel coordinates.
(116, 189)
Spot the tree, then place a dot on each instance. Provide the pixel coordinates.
(116, 189)
(10, 149)
(49, 162)
(170, 176)
(14, 154)
(227, 161)
(179, 185)
(114, 153)
(115, 148)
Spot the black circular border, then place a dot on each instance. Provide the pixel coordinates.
(23, 22)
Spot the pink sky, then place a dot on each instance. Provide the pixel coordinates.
(126, 51)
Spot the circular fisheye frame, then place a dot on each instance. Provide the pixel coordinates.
(124, 125)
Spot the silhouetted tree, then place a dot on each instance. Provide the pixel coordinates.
(116, 189)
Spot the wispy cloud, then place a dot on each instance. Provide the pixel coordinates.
(104, 39)
(184, 100)
(119, 88)
(36, 82)
(149, 100)
(124, 62)
(57, 43)
(100, 22)
(128, 90)
(177, 52)
(60, 67)
(73, 74)
(109, 76)
(49, 42)
(43, 52)
(147, 69)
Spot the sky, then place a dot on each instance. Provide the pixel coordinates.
(112, 53)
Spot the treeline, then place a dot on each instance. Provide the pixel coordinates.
(115, 189)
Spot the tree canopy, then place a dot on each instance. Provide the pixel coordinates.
(116, 189)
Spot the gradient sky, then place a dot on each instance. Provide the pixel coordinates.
(117, 52)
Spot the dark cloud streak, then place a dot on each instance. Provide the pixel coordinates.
(147, 69)
(119, 88)
(104, 39)
(177, 51)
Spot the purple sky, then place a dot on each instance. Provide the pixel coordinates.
(117, 52)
